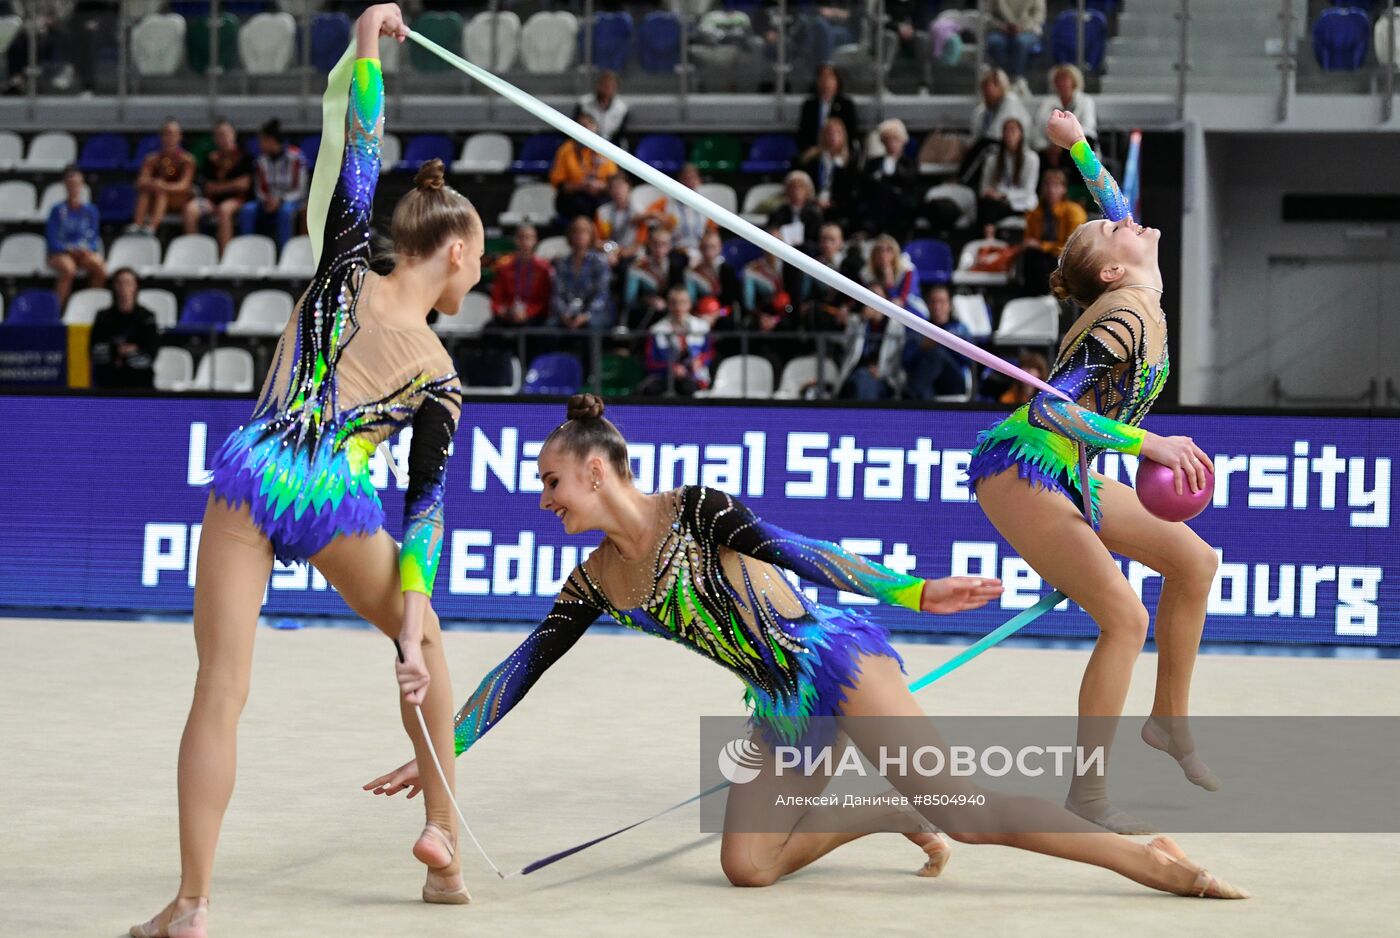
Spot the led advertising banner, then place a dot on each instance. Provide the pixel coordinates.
(103, 497)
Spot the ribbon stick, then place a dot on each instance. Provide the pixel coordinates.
(1015, 624)
(721, 216)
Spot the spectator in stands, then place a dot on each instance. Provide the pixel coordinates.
(225, 184)
(832, 170)
(166, 181)
(1068, 95)
(889, 185)
(678, 349)
(934, 370)
(617, 224)
(280, 184)
(910, 21)
(827, 309)
(1013, 34)
(798, 220)
(710, 276)
(875, 343)
(1033, 363)
(1008, 177)
(125, 338)
(609, 112)
(687, 226)
(764, 278)
(651, 277)
(1048, 227)
(74, 242)
(524, 283)
(827, 101)
(582, 283)
(999, 104)
(580, 176)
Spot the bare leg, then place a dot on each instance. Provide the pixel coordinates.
(192, 213)
(65, 269)
(1048, 531)
(232, 570)
(228, 213)
(751, 858)
(1188, 566)
(365, 571)
(1024, 822)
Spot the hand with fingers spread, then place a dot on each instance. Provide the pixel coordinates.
(405, 776)
(958, 593)
(1188, 462)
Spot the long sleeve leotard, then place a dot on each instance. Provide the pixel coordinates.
(711, 586)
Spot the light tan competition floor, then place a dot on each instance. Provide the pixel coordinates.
(93, 710)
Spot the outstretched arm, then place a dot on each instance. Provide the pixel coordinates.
(1064, 130)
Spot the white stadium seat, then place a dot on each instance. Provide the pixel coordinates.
(11, 149)
(484, 153)
(158, 44)
(18, 200)
(51, 150)
(477, 40)
(472, 316)
(1029, 320)
(84, 305)
(553, 248)
(534, 201)
(802, 371)
(721, 194)
(224, 369)
(138, 251)
(174, 369)
(748, 376)
(164, 305)
(390, 152)
(246, 256)
(190, 255)
(756, 197)
(296, 260)
(23, 255)
(262, 312)
(267, 43)
(548, 41)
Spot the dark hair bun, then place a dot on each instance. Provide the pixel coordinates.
(585, 407)
(1058, 286)
(430, 176)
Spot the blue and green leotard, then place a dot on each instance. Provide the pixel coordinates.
(342, 380)
(712, 587)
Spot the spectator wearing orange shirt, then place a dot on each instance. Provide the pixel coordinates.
(580, 176)
(1048, 227)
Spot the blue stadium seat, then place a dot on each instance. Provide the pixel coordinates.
(206, 310)
(665, 152)
(933, 259)
(555, 373)
(34, 308)
(536, 154)
(116, 203)
(1340, 37)
(144, 148)
(330, 36)
(738, 252)
(771, 153)
(102, 152)
(1064, 39)
(310, 146)
(612, 41)
(660, 47)
(426, 147)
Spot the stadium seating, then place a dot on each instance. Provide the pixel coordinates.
(1340, 36)
(478, 45)
(553, 373)
(548, 41)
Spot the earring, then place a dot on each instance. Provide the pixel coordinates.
(595, 485)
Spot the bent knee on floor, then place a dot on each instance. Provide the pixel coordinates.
(743, 873)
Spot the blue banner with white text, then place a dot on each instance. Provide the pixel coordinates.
(103, 497)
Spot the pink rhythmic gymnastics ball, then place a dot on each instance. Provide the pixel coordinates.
(1156, 489)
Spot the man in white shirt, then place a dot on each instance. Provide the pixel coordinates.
(609, 110)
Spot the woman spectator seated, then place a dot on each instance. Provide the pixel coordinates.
(832, 170)
(73, 238)
(582, 284)
(889, 185)
(580, 176)
(619, 229)
(875, 343)
(678, 349)
(687, 226)
(523, 285)
(766, 276)
(1068, 94)
(651, 277)
(710, 276)
(1048, 227)
(225, 184)
(124, 339)
(1008, 177)
(166, 181)
(933, 370)
(798, 220)
(828, 100)
(998, 105)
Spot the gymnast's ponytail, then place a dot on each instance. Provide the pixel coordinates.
(587, 431)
